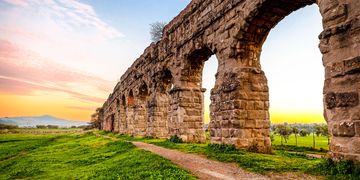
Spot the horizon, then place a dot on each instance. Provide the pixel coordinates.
(71, 74)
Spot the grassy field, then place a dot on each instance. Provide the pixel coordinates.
(320, 142)
(285, 160)
(74, 154)
(79, 156)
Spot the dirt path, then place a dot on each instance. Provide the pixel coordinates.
(199, 166)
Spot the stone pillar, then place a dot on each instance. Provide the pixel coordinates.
(140, 117)
(158, 108)
(117, 119)
(340, 45)
(239, 105)
(187, 114)
(239, 110)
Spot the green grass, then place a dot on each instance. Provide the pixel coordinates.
(79, 156)
(321, 142)
(289, 159)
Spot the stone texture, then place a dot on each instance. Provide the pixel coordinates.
(161, 93)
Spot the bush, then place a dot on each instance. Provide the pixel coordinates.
(175, 139)
(86, 127)
(223, 148)
(344, 169)
(52, 126)
(41, 126)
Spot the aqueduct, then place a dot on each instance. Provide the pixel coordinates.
(161, 93)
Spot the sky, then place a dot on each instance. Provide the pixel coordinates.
(63, 57)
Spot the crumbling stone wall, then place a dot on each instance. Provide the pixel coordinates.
(161, 93)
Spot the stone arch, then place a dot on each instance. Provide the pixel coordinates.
(131, 99)
(116, 125)
(260, 21)
(249, 84)
(123, 125)
(187, 119)
(143, 91)
(130, 112)
(240, 99)
(141, 111)
(159, 104)
(112, 123)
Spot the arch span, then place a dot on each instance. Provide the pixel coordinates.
(235, 30)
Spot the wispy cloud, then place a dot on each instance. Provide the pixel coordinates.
(70, 14)
(24, 72)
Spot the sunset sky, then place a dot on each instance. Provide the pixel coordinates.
(63, 57)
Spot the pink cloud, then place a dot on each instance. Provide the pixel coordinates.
(24, 72)
(21, 3)
(19, 87)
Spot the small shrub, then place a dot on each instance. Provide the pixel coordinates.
(253, 148)
(223, 148)
(298, 148)
(175, 139)
(272, 137)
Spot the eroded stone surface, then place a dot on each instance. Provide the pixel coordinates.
(161, 93)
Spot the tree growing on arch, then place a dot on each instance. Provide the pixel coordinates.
(156, 30)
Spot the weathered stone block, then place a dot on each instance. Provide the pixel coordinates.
(349, 99)
(344, 129)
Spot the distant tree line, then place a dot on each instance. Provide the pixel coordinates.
(8, 126)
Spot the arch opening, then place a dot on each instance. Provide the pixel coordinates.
(293, 59)
(123, 123)
(141, 112)
(130, 113)
(159, 104)
(208, 83)
(192, 105)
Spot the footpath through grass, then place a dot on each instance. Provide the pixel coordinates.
(80, 156)
(279, 161)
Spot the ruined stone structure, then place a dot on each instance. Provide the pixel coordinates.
(161, 93)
